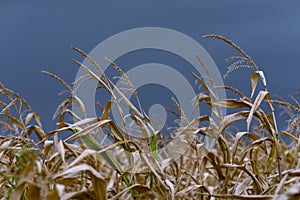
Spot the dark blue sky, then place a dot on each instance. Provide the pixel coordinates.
(37, 35)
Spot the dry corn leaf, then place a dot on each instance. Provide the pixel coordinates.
(13, 102)
(38, 130)
(33, 192)
(189, 189)
(74, 171)
(87, 130)
(261, 95)
(243, 186)
(137, 187)
(237, 138)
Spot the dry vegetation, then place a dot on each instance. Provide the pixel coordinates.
(245, 164)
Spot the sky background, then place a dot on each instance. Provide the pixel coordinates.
(37, 35)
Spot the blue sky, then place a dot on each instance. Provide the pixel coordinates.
(37, 35)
